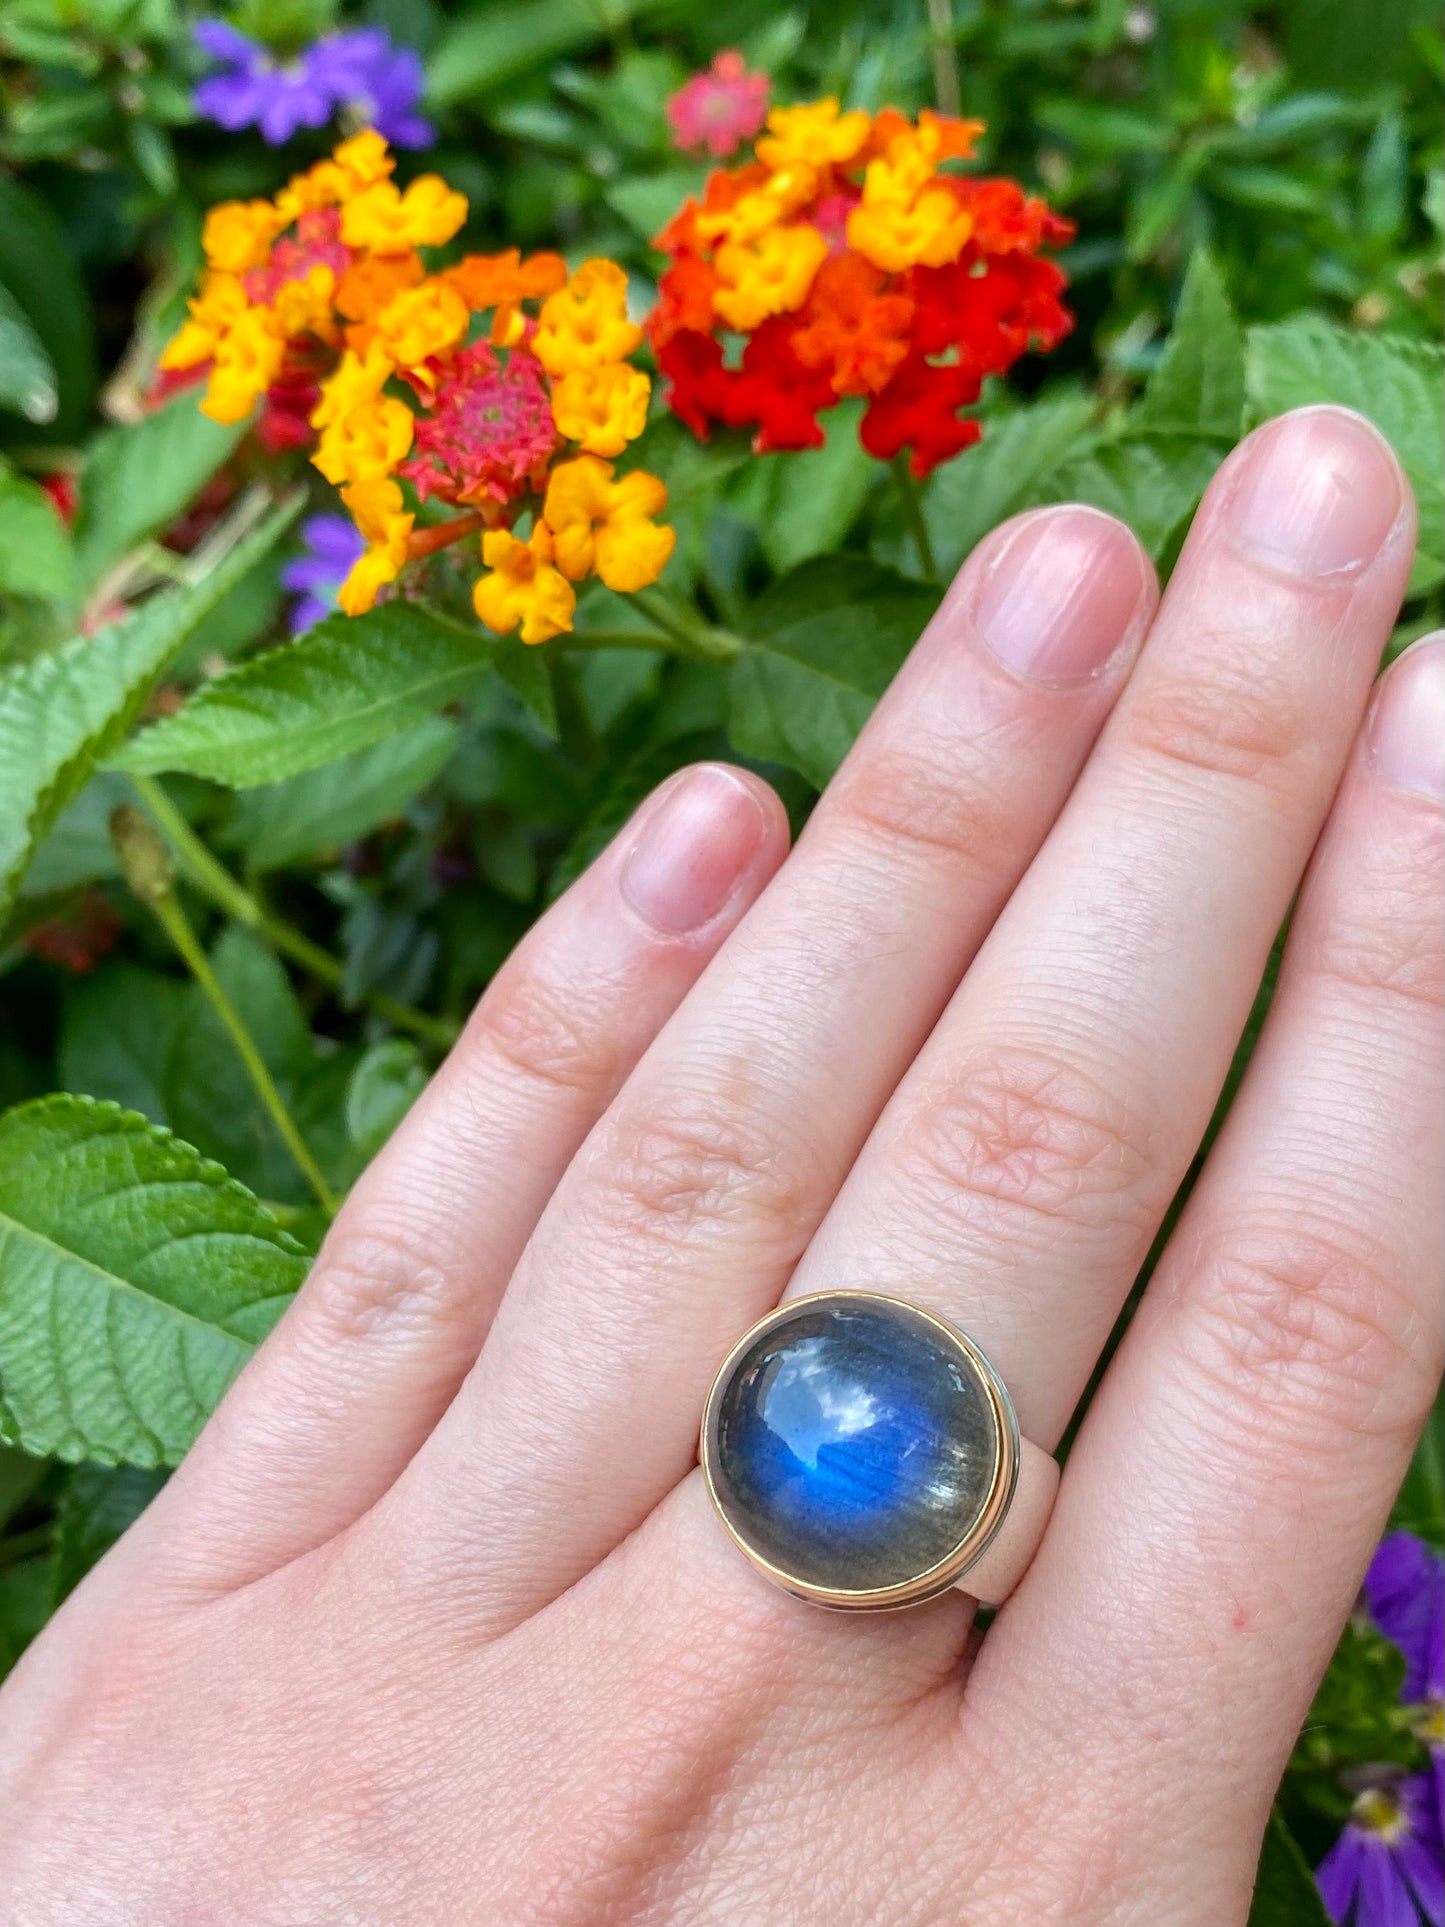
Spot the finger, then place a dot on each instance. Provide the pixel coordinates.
(1234, 1473)
(1020, 1174)
(397, 1304)
(691, 1202)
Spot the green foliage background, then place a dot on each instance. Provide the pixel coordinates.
(363, 822)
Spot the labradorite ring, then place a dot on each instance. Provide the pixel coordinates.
(865, 1455)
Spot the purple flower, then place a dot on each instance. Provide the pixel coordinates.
(378, 85)
(1387, 1869)
(276, 97)
(360, 74)
(333, 542)
(1405, 1587)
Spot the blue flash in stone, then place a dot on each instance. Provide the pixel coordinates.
(852, 1445)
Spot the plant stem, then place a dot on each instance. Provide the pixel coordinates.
(174, 922)
(945, 61)
(691, 635)
(913, 515)
(213, 880)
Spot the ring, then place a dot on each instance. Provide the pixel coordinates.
(865, 1455)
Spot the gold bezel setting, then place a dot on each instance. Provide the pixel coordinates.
(946, 1572)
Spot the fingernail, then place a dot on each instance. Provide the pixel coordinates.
(1062, 596)
(693, 844)
(1317, 492)
(1407, 724)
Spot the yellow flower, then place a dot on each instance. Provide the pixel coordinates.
(601, 523)
(376, 508)
(364, 159)
(767, 206)
(421, 322)
(770, 276)
(380, 217)
(585, 324)
(524, 586)
(304, 307)
(356, 382)
(237, 235)
(931, 233)
(222, 298)
(365, 444)
(603, 409)
(248, 360)
(814, 132)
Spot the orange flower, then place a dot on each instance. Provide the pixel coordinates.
(853, 266)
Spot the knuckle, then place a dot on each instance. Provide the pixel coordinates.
(1225, 725)
(548, 1032)
(1017, 1133)
(1309, 1339)
(697, 1157)
(924, 807)
(368, 1281)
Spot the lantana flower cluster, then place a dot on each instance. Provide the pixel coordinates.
(500, 386)
(845, 260)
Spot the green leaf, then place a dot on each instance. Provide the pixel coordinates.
(138, 478)
(79, 850)
(349, 682)
(40, 271)
(1399, 383)
(1198, 386)
(26, 1590)
(383, 1087)
(810, 501)
(324, 809)
(1150, 481)
(27, 374)
(99, 1503)
(484, 50)
(1285, 1894)
(968, 497)
(35, 553)
(647, 202)
(824, 644)
(118, 1031)
(61, 713)
(1420, 1506)
(135, 1279)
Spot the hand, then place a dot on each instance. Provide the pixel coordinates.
(435, 1625)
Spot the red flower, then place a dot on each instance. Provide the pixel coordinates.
(919, 410)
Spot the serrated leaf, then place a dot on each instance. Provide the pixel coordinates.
(135, 1279)
(61, 713)
(1198, 386)
(1285, 1894)
(1398, 382)
(1150, 481)
(27, 374)
(35, 553)
(138, 478)
(78, 849)
(824, 644)
(324, 809)
(349, 682)
(968, 497)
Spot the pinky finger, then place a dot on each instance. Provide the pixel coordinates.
(395, 1309)
(1237, 1467)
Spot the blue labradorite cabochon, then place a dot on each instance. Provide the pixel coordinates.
(852, 1444)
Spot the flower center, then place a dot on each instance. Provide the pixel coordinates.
(1381, 1815)
(488, 431)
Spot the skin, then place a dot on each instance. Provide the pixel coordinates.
(434, 1624)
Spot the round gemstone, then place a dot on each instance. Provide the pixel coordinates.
(853, 1445)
